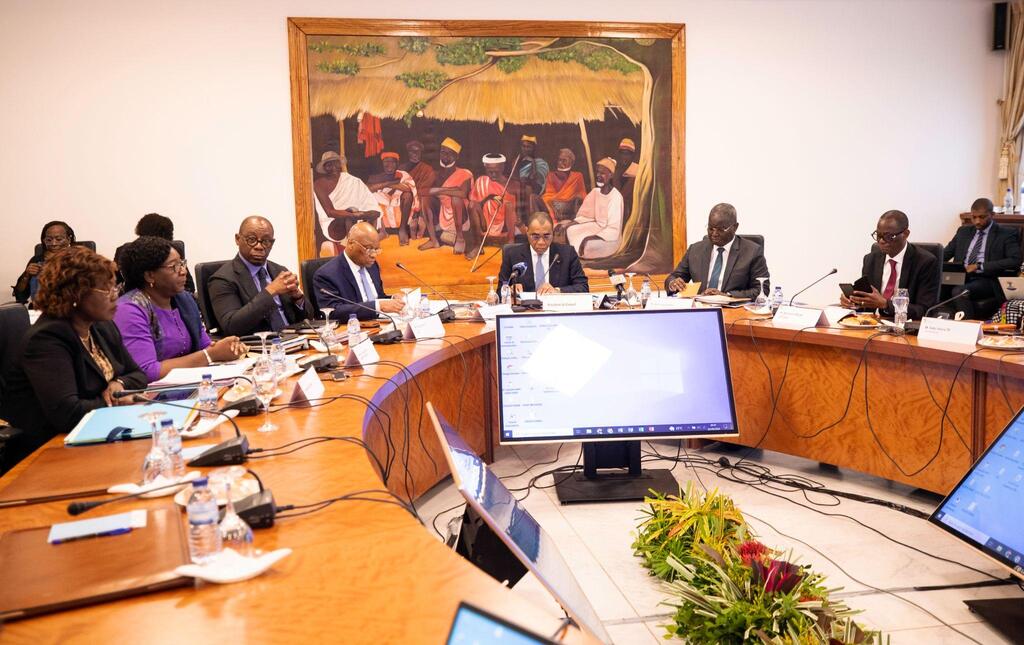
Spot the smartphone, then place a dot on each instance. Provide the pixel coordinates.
(847, 288)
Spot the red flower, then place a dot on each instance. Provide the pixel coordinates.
(751, 551)
(776, 576)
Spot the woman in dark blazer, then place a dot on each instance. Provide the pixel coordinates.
(56, 236)
(72, 360)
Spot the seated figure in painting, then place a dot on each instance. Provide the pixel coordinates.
(597, 227)
(450, 201)
(395, 192)
(565, 189)
(343, 200)
(531, 174)
(624, 176)
(492, 207)
(424, 177)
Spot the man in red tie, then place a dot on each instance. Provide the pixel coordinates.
(896, 265)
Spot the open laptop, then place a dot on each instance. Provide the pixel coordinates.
(953, 273)
(514, 525)
(1013, 288)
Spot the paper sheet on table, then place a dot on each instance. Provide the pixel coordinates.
(195, 374)
(97, 526)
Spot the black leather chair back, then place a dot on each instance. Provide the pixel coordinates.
(13, 325)
(204, 270)
(89, 244)
(308, 268)
(929, 247)
(756, 239)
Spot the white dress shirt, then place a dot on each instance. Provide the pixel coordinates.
(545, 260)
(363, 296)
(725, 263)
(887, 269)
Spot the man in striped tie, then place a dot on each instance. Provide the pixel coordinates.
(987, 252)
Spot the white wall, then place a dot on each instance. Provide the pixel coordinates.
(812, 117)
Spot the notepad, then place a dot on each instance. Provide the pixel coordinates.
(97, 527)
(118, 423)
(181, 375)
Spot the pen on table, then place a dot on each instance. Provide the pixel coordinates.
(120, 531)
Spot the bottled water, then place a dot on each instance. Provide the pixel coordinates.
(353, 330)
(170, 442)
(278, 358)
(645, 292)
(1021, 200)
(900, 303)
(1008, 201)
(424, 307)
(777, 298)
(506, 294)
(156, 463)
(207, 397)
(203, 529)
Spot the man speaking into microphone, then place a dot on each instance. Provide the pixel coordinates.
(550, 268)
(355, 277)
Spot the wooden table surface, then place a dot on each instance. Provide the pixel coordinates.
(366, 572)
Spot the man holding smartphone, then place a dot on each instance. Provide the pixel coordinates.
(895, 265)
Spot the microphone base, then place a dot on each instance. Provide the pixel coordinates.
(387, 337)
(226, 453)
(528, 305)
(446, 315)
(258, 510)
(322, 364)
(247, 406)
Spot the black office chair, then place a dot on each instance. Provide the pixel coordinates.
(756, 239)
(308, 268)
(14, 322)
(204, 270)
(930, 247)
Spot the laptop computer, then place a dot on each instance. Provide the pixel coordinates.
(953, 273)
(1013, 288)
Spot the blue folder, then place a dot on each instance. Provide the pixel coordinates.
(119, 423)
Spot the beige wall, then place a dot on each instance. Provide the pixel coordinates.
(812, 117)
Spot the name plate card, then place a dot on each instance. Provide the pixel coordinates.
(363, 353)
(308, 387)
(667, 302)
(790, 317)
(831, 316)
(489, 312)
(949, 332)
(567, 302)
(421, 328)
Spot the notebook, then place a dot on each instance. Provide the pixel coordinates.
(118, 423)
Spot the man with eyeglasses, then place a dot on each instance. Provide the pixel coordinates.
(722, 263)
(250, 293)
(550, 268)
(896, 265)
(354, 277)
(987, 251)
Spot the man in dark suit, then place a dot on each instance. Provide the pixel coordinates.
(355, 277)
(250, 293)
(896, 265)
(557, 265)
(723, 263)
(987, 251)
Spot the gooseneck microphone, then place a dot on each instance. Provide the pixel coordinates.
(518, 269)
(383, 338)
(226, 453)
(77, 508)
(446, 314)
(324, 363)
(793, 299)
(125, 394)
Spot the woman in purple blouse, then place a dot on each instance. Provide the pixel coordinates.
(159, 322)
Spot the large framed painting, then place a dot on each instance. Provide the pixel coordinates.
(447, 136)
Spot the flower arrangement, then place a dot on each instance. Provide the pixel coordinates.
(727, 587)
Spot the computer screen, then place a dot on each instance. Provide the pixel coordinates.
(985, 508)
(474, 626)
(614, 375)
(514, 525)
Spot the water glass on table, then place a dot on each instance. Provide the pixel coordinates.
(264, 377)
(900, 304)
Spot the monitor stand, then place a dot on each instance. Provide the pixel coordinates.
(595, 486)
(1005, 615)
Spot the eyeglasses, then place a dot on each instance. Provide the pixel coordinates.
(886, 237)
(537, 237)
(251, 241)
(176, 267)
(60, 239)
(369, 250)
(111, 293)
(720, 229)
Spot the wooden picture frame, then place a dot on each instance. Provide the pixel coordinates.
(660, 181)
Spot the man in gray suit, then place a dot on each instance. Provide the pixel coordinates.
(723, 263)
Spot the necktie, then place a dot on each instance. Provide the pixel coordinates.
(277, 319)
(972, 256)
(716, 270)
(368, 291)
(538, 272)
(890, 284)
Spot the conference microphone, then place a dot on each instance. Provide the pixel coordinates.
(617, 280)
(518, 269)
(77, 508)
(226, 453)
(324, 363)
(446, 314)
(912, 327)
(383, 338)
(832, 272)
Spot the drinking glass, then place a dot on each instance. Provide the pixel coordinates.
(409, 310)
(492, 295)
(631, 294)
(900, 304)
(265, 377)
(328, 330)
(762, 297)
(263, 341)
(234, 532)
(156, 462)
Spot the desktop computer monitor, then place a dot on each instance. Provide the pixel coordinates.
(515, 527)
(986, 511)
(612, 376)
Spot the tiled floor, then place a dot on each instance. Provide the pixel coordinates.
(594, 540)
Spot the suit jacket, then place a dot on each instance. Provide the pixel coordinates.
(564, 268)
(919, 275)
(1002, 250)
(54, 381)
(746, 263)
(241, 309)
(336, 279)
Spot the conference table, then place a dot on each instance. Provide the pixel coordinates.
(370, 572)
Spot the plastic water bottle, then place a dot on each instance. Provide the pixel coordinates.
(1021, 200)
(207, 397)
(203, 517)
(353, 330)
(645, 292)
(1008, 201)
(506, 294)
(777, 298)
(170, 441)
(278, 358)
(424, 307)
